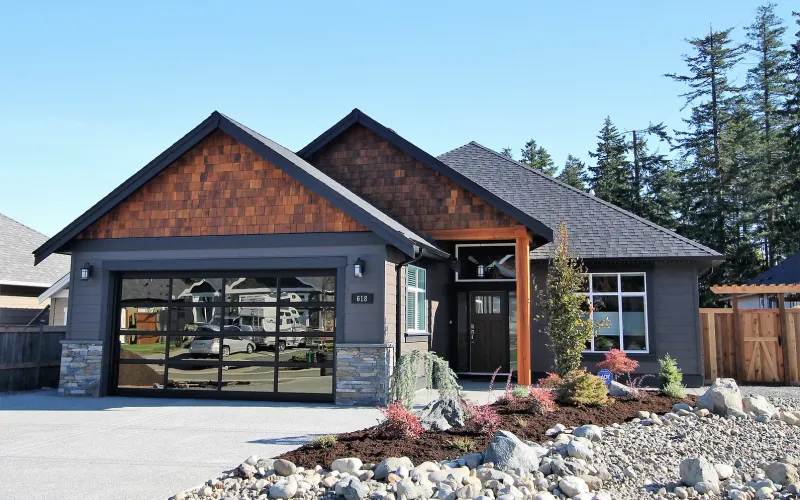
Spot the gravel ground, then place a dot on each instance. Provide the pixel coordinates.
(771, 391)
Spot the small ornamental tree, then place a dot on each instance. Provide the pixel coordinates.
(438, 375)
(668, 372)
(618, 363)
(569, 328)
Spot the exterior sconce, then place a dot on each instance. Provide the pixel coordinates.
(86, 272)
(358, 268)
(481, 270)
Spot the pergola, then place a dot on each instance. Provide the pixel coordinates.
(787, 339)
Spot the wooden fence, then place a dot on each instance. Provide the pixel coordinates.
(752, 345)
(30, 357)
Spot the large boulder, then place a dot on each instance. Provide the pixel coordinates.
(618, 390)
(507, 451)
(697, 470)
(442, 415)
(722, 398)
(758, 405)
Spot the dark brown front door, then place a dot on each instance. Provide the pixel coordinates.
(488, 332)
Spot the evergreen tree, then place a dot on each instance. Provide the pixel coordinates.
(573, 173)
(658, 201)
(707, 176)
(611, 176)
(787, 223)
(507, 153)
(767, 85)
(537, 158)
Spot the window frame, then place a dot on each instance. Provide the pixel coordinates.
(416, 290)
(590, 294)
(459, 246)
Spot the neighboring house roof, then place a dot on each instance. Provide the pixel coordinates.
(597, 229)
(58, 286)
(17, 267)
(339, 196)
(530, 220)
(787, 272)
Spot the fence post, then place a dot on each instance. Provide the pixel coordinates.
(39, 356)
(788, 344)
(741, 369)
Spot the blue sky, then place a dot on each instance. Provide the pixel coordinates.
(90, 92)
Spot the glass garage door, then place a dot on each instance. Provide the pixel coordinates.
(246, 335)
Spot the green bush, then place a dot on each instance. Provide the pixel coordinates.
(674, 390)
(521, 392)
(582, 389)
(324, 441)
(669, 373)
(438, 375)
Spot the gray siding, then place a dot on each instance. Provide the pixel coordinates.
(440, 294)
(363, 323)
(672, 313)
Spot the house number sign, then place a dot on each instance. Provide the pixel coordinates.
(363, 298)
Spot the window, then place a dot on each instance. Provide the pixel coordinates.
(416, 300)
(619, 304)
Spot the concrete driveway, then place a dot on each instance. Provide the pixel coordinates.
(146, 449)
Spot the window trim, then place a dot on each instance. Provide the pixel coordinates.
(620, 295)
(416, 291)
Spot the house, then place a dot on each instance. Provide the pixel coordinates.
(363, 246)
(58, 297)
(21, 281)
(786, 272)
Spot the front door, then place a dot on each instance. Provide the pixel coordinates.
(488, 332)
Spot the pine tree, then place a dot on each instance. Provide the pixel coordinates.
(573, 173)
(658, 201)
(507, 153)
(767, 85)
(787, 223)
(537, 158)
(611, 176)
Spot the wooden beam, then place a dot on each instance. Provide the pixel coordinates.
(734, 289)
(741, 369)
(788, 344)
(480, 234)
(523, 262)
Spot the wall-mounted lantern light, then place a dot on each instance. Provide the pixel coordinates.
(86, 271)
(481, 270)
(358, 268)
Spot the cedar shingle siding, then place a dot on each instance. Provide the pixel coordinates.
(395, 182)
(221, 187)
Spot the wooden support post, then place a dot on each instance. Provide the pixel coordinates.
(788, 344)
(711, 320)
(523, 261)
(741, 369)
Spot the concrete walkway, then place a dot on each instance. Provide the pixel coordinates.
(146, 449)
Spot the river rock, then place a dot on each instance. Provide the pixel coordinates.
(572, 485)
(759, 406)
(507, 450)
(782, 473)
(349, 465)
(354, 490)
(696, 470)
(284, 467)
(391, 464)
(589, 431)
(283, 488)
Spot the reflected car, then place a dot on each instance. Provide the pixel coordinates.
(208, 345)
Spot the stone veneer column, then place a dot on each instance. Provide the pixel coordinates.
(81, 367)
(362, 373)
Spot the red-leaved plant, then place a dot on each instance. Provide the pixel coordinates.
(618, 363)
(545, 398)
(400, 422)
(551, 381)
(483, 419)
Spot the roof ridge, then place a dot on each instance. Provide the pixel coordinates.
(599, 200)
(15, 221)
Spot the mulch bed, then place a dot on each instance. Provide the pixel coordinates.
(370, 445)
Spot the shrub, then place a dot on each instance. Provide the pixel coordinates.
(635, 386)
(462, 444)
(618, 363)
(400, 422)
(545, 399)
(520, 392)
(674, 390)
(583, 389)
(483, 419)
(668, 372)
(568, 326)
(551, 381)
(324, 441)
(438, 375)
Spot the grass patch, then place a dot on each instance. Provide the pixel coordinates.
(158, 347)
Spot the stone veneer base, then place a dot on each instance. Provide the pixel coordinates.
(362, 373)
(81, 368)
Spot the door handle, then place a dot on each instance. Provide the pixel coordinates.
(471, 334)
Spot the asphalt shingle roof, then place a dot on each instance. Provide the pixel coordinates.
(17, 241)
(787, 272)
(597, 229)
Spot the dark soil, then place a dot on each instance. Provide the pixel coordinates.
(371, 445)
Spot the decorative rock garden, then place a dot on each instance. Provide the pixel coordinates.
(722, 445)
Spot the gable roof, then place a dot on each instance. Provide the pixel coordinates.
(358, 117)
(17, 267)
(786, 272)
(339, 196)
(597, 229)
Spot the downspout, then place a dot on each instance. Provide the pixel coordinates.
(398, 303)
